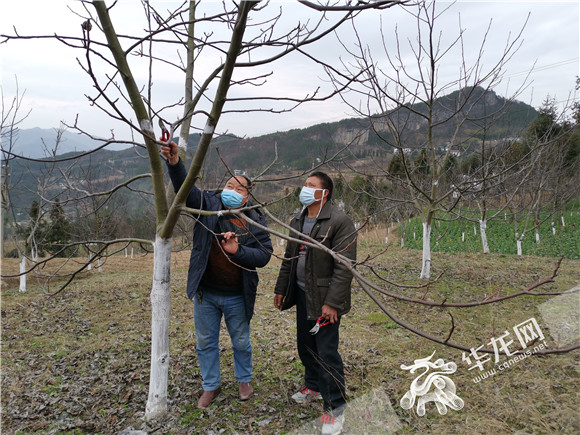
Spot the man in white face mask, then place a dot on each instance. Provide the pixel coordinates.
(320, 287)
(222, 278)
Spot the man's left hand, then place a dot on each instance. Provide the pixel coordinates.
(330, 313)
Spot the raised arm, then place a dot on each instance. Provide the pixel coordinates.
(177, 173)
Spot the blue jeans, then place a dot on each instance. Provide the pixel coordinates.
(207, 316)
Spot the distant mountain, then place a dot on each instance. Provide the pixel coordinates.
(299, 148)
(491, 117)
(39, 143)
(480, 113)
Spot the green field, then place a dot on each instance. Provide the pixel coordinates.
(446, 236)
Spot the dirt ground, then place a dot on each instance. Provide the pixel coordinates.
(78, 362)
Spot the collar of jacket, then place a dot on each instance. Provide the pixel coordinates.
(324, 213)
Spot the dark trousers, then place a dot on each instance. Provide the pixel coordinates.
(323, 368)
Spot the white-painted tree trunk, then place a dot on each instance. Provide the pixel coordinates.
(426, 268)
(519, 246)
(402, 242)
(160, 311)
(131, 253)
(463, 236)
(90, 266)
(183, 141)
(563, 221)
(553, 229)
(125, 252)
(483, 231)
(100, 264)
(537, 236)
(23, 276)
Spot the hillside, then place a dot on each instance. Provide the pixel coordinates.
(298, 149)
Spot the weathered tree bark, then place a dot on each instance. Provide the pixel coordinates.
(426, 266)
(160, 310)
(483, 232)
(22, 288)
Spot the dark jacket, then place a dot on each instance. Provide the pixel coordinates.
(328, 282)
(255, 253)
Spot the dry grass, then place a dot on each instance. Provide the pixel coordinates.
(78, 362)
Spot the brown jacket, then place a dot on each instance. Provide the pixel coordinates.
(327, 281)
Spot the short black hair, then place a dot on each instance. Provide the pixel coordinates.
(248, 185)
(325, 180)
(248, 181)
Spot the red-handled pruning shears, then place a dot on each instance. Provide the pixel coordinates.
(319, 324)
(164, 132)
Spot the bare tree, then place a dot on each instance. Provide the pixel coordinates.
(110, 59)
(551, 180)
(408, 107)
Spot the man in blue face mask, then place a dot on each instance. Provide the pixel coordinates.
(222, 279)
(320, 287)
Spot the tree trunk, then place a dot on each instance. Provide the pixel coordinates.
(160, 310)
(426, 269)
(482, 230)
(23, 275)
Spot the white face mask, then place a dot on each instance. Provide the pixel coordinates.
(307, 195)
(231, 198)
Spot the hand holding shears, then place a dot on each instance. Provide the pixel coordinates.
(169, 149)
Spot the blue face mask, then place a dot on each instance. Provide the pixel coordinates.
(231, 198)
(307, 195)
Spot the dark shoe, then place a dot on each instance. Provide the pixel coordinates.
(246, 390)
(207, 397)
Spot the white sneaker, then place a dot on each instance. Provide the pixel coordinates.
(331, 425)
(305, 395)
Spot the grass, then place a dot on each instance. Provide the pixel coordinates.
(462, 236)
(78, 362)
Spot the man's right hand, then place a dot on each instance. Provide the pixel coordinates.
(170, 151)
(278, 299)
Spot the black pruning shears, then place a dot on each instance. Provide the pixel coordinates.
(165, 135)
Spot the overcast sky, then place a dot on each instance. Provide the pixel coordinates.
(55, 86)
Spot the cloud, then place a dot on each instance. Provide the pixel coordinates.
(56, 86)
